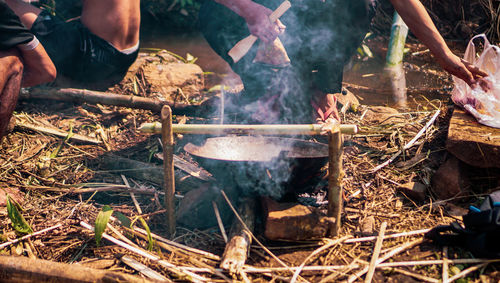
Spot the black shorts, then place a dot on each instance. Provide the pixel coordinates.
(320, 38)
(79, 54)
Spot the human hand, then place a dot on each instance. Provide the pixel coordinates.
(466, 71)
(257, 18)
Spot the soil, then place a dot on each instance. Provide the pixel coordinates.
(49, 171)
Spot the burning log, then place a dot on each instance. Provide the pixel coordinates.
(237, 249)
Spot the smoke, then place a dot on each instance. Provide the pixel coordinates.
(268, 166)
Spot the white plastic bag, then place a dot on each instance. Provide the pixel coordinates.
(484, 106)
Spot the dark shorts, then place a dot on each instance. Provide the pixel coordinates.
(320, 38)
(79, 54)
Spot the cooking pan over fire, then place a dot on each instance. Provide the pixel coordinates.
(263, 165)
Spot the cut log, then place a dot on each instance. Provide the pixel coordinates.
(148, 172)
(237, 249)
(473, 143)
(23, 269)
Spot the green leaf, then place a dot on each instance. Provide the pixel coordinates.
(58, 149)
(18, 221)
(190, 58)
(101, 221)
(150, 238)
(123, 219)
(218, 88)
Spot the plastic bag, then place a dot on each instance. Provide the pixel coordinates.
(484, 106)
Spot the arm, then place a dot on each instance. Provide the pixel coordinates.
(38, 68)
(256, 17)
(420, 23)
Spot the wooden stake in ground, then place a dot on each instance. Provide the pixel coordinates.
(237, 249)
(168, 165)
(335, 181)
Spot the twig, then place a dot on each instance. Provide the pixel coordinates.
(219, 221)
(144, 270)
(376, 252)
(316, 252)
(390, 236)
(180, 246)
(29, 236)
(467, 271)
(409, 144)
(136, 203)
(186, 275)
(56, 132)
(444, 273)
(118, 188)
(414, 275)
(388, 255)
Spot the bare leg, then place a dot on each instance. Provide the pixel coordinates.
(11, 74)
(25, 11)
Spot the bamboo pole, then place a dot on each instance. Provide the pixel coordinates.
(215, 129)
(335, 181)
(394, 59)
(168, 166)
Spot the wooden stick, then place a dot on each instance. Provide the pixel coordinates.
(56, 132)
(414, 275)
(170, 267)
(136, 203)
(316, 252)
(397, 235)
(179, 246)
(219, 222)
(3, 245)
(216, 129)
(376, 252)
(23, 269)
(409, 144)
(168, 167)
(388, 255)
(335, 182)
(144, 270)
(118, 188)
(106, 98)
(322, 268)
(444, 273)
(467, 271)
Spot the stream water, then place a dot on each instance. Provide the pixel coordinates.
(367, 77)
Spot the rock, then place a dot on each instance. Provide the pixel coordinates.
(367, 226)
(165, 74)
(382, 115)
(473, 143)
(414, 190)
(293, 222)
(450, 180)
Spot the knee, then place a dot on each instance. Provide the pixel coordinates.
(11, 63)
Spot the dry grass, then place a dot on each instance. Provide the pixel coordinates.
(29, 163)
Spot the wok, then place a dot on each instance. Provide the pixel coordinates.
(264, 165)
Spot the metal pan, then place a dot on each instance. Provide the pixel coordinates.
(266, 165)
